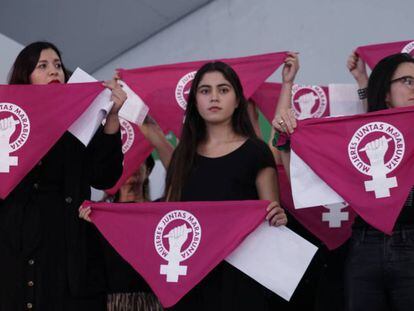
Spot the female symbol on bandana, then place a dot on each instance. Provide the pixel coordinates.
(382, 145)
(14, 132)
(182, 232)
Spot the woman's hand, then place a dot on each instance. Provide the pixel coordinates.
(118, 96)
(84, 213)
(357, 68)
(276, 215)
(285, 121)
(291, 67)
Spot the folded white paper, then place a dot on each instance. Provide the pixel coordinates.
(134, 109)
(277, 258)
(308, 189)
(343, 100)
(88, 123)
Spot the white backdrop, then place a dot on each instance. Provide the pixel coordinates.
(323, 31)
(8, 52)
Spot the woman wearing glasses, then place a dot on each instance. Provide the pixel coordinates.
(380, 268)
(379, 272)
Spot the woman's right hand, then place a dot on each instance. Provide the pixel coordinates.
(284, 120)
(84, 213)
(357, 68)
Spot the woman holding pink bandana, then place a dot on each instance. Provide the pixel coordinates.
(49, 257)
(379, 272)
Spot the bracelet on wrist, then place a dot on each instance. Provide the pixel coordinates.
(363, 93)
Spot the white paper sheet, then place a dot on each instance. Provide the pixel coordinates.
(343, 100)
(88, 123)
(277, 258)
(134, 109)
(308, 189)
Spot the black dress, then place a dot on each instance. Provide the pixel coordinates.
(230, 177)
(49, 258)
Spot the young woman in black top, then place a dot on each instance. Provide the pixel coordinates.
(219, 157)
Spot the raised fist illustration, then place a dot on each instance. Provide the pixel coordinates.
(376, 150)
(176, 238)
(306, 102)
(7, 128)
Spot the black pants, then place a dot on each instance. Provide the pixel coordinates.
(379, 273)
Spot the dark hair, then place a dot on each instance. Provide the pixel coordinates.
(380, 79)
(27, 60)
(149, 163)
(194, 129)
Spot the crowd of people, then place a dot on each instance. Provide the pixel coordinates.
(53, 257)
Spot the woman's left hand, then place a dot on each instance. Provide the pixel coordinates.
(118, 97)
(291, 67)
(276, 215)
(84, 213)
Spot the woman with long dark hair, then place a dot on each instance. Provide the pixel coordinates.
(220, 158)
(50, 259)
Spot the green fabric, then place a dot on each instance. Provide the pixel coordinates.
(275, 140)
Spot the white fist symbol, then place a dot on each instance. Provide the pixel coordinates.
(306, 103)
(376, 150)
(176, 238)
(7, 128)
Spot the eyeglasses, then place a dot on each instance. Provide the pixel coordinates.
(408, 81)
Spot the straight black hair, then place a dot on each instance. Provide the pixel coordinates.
(380, 80)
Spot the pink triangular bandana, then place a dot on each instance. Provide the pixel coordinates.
(372, 54)
(135, 148)
(308, 101)
(367, 159)
(32, 119)
(331, 224)
(173, 246)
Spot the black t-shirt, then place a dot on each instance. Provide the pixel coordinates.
(229, 177)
